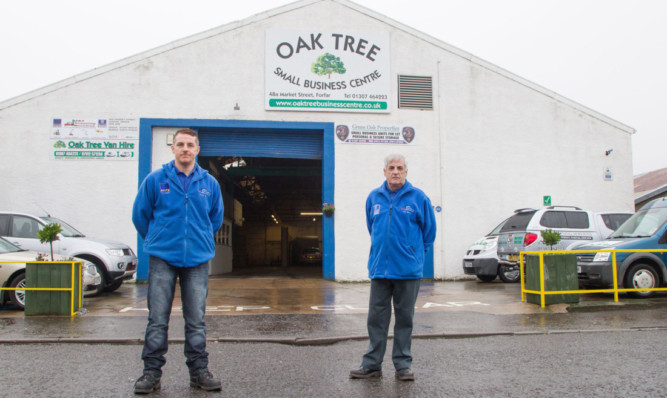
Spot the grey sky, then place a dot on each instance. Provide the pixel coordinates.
(609, 55)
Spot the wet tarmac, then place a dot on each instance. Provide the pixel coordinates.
(310, 310)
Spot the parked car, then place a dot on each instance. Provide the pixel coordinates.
(115, 261)
(481, 259)
(521, 232)
(646, 229)
(311, 255)
(13, 274)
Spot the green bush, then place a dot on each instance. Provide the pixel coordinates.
(550, 237)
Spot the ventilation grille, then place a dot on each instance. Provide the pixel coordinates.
(415, 92)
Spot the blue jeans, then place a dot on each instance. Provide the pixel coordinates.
(404, 295)
(194, 289)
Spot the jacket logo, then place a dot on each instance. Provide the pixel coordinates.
(376, 210)
(164, 187)
(407, 209)
(204, 192)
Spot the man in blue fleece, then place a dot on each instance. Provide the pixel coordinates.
(177, 211)
(401, 222)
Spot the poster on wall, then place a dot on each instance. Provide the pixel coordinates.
(373, 133)
(313, 70)
(90, 138)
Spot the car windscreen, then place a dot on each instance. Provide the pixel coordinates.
(517, 222)
(642, 224)
(6, 247)
(496, 230)
(68, 230)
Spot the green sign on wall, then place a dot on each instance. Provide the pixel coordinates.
(547, 200)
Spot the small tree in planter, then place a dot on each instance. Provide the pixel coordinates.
(49, 234)
(550, 237)
(560, 273)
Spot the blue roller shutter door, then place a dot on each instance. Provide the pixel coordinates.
(292, 144)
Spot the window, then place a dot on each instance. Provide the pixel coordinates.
(24, 227)
(224, 235)
(565, 219)
(518, 222)
(553, 219)
(4, 224)
(612, 221)
(577, 219)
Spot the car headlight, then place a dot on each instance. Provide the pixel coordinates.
(115, 252)
(601, 256)
(90, 269)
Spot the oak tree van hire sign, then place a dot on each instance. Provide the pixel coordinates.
(327, 71)
(94, 138)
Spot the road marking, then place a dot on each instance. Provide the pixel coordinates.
(323, 308)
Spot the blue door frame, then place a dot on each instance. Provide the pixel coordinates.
(326, 129)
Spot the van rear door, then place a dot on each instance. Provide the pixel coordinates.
(510, 238)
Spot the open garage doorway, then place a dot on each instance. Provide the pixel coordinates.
(265, 145)
(277, 217)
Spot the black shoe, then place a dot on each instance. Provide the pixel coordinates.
(205, 381)
(364, 373)
(405, 374)
(147, 384)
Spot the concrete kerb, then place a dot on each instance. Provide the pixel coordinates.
(301, 341)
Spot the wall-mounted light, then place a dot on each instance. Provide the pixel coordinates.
(311, 213)
(170, 139)
(608, 151)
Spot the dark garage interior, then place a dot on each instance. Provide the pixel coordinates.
(275, 205)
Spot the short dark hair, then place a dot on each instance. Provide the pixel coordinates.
(187, 131)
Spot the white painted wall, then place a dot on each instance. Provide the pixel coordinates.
(494, 143)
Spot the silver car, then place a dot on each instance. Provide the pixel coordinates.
(115, 261)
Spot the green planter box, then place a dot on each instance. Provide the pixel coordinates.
(51, 275)
(560, 273)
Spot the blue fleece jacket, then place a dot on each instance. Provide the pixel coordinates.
(402, 228)
(178, 226)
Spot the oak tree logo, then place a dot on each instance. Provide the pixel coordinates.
(327, 64)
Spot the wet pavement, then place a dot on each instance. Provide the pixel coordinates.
(306, 310)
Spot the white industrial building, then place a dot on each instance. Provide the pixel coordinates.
(296, 107)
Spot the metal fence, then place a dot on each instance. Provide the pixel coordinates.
(614, 289)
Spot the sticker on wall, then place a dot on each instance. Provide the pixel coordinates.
(372, 133)
(608, 175)
(90, 138)
(312, 70)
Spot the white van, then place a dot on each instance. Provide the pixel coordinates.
(481, 258)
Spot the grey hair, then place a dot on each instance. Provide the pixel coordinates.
(393, 157)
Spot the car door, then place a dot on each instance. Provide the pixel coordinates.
(23, 233)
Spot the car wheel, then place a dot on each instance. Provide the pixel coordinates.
(17, 297)
(486, 278)
(100, 269)
(113, 286)
(641, 276)
(509, 273)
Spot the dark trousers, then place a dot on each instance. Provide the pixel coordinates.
(403, 293)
